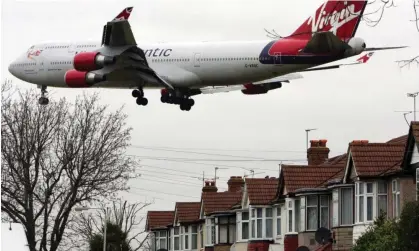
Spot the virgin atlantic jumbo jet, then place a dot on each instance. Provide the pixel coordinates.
(182, 70)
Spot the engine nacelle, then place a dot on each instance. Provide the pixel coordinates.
(80, 79)
(90, 61)
(357, 46)
(252, 89)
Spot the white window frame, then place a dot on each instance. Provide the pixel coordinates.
(210, 231)
(241, 226)
(278, 220)
(159, 237)
(253, 219)
(265, 220)
(395, 189)
(176, 236)
(382, 194)
(186, 238)
(319, 207)
(315, 206)
(290, 218)
(194, 234)
(341, 206)
(201, 234)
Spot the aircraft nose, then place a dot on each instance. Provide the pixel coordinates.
(12, 68)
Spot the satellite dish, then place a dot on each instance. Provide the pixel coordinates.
(302, 248)
(323, 236)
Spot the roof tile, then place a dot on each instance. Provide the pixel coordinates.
(159, 219)
(220, 202)
(261, 190)
(187, 212)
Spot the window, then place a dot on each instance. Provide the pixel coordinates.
(382, 198)
(268, 223)
(359, 199)
(369, 196)
(278, 221)
(186, 238)
(227, 229)
(289, 216)
(346, 206)
(161, 240)
(201, 234)
(176, 238)
(257, 222)
(194, 237)
(245, 226)
(210, 231)
(317, 209)
(297, 215)
(312, 212)
(396, 197)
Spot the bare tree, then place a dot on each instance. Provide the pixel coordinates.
(57, 156)
(127, 216)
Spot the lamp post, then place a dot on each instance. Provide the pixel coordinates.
(79, 209)
(413, 95)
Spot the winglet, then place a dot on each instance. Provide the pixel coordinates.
(124, 15)
(365, 58)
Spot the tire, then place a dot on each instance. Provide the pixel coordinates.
(136, 93)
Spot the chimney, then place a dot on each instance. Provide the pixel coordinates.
(235, 183)
(318, 152)
(359, 142)
(209, 187)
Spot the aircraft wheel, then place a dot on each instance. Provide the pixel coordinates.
(190, 102)
(164, 99)
(43, 101)
(185, 107)
(142, 101)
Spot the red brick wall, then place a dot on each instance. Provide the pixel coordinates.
(262, 245)
(290, 242)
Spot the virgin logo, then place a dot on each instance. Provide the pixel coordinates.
(34, 53)
(327, 20)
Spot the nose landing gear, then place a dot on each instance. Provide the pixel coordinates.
(43, 100)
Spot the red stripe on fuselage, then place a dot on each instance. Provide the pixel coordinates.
(287, 46)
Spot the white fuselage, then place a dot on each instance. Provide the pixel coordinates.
(182, 64)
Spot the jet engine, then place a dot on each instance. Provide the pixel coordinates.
(357, 46)
(252, 89)
(90, 61)
(80, 79)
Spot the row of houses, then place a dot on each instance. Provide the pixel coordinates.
(341, 195)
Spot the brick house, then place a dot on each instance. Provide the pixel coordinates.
(411, 159)
(344, 194)
(219, 215)
(158, 225)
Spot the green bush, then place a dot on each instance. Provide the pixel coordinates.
(392, 235)
(116, 239)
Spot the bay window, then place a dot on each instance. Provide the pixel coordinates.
(346, 206)
(396, 197)
(371, 200)
(278, 221)
(261, 223)
(176, 238)
(161, 240)
(185, 238)
(317, 212)
(245, 226)
(210, 224)
(194, 230)
(201, 234)
(227, 229)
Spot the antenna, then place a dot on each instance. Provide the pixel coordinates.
(215, 178)
(413, 95)
(309, 130)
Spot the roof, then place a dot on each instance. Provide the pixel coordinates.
(187, 212)
(261, 191)
(214, 202)
(376, 159)
(400, 140)
(337, 160)
(315, 176)
(159, 219)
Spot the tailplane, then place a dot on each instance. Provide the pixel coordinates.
(337, 16)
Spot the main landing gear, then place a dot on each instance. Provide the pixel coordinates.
(43, 100)
(139, 94)
(182, 100)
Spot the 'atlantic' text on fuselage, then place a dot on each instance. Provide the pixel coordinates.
(157, 52)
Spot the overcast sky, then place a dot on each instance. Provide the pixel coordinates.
(357, 102)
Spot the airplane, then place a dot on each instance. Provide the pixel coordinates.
(183, 70)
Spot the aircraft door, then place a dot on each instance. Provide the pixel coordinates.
(197, 59)
(277, 58)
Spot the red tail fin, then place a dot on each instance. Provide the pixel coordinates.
(338, 16)
(124, 15)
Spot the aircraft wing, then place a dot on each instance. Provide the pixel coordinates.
(362, 60)
(260, 86)
(118, 41)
